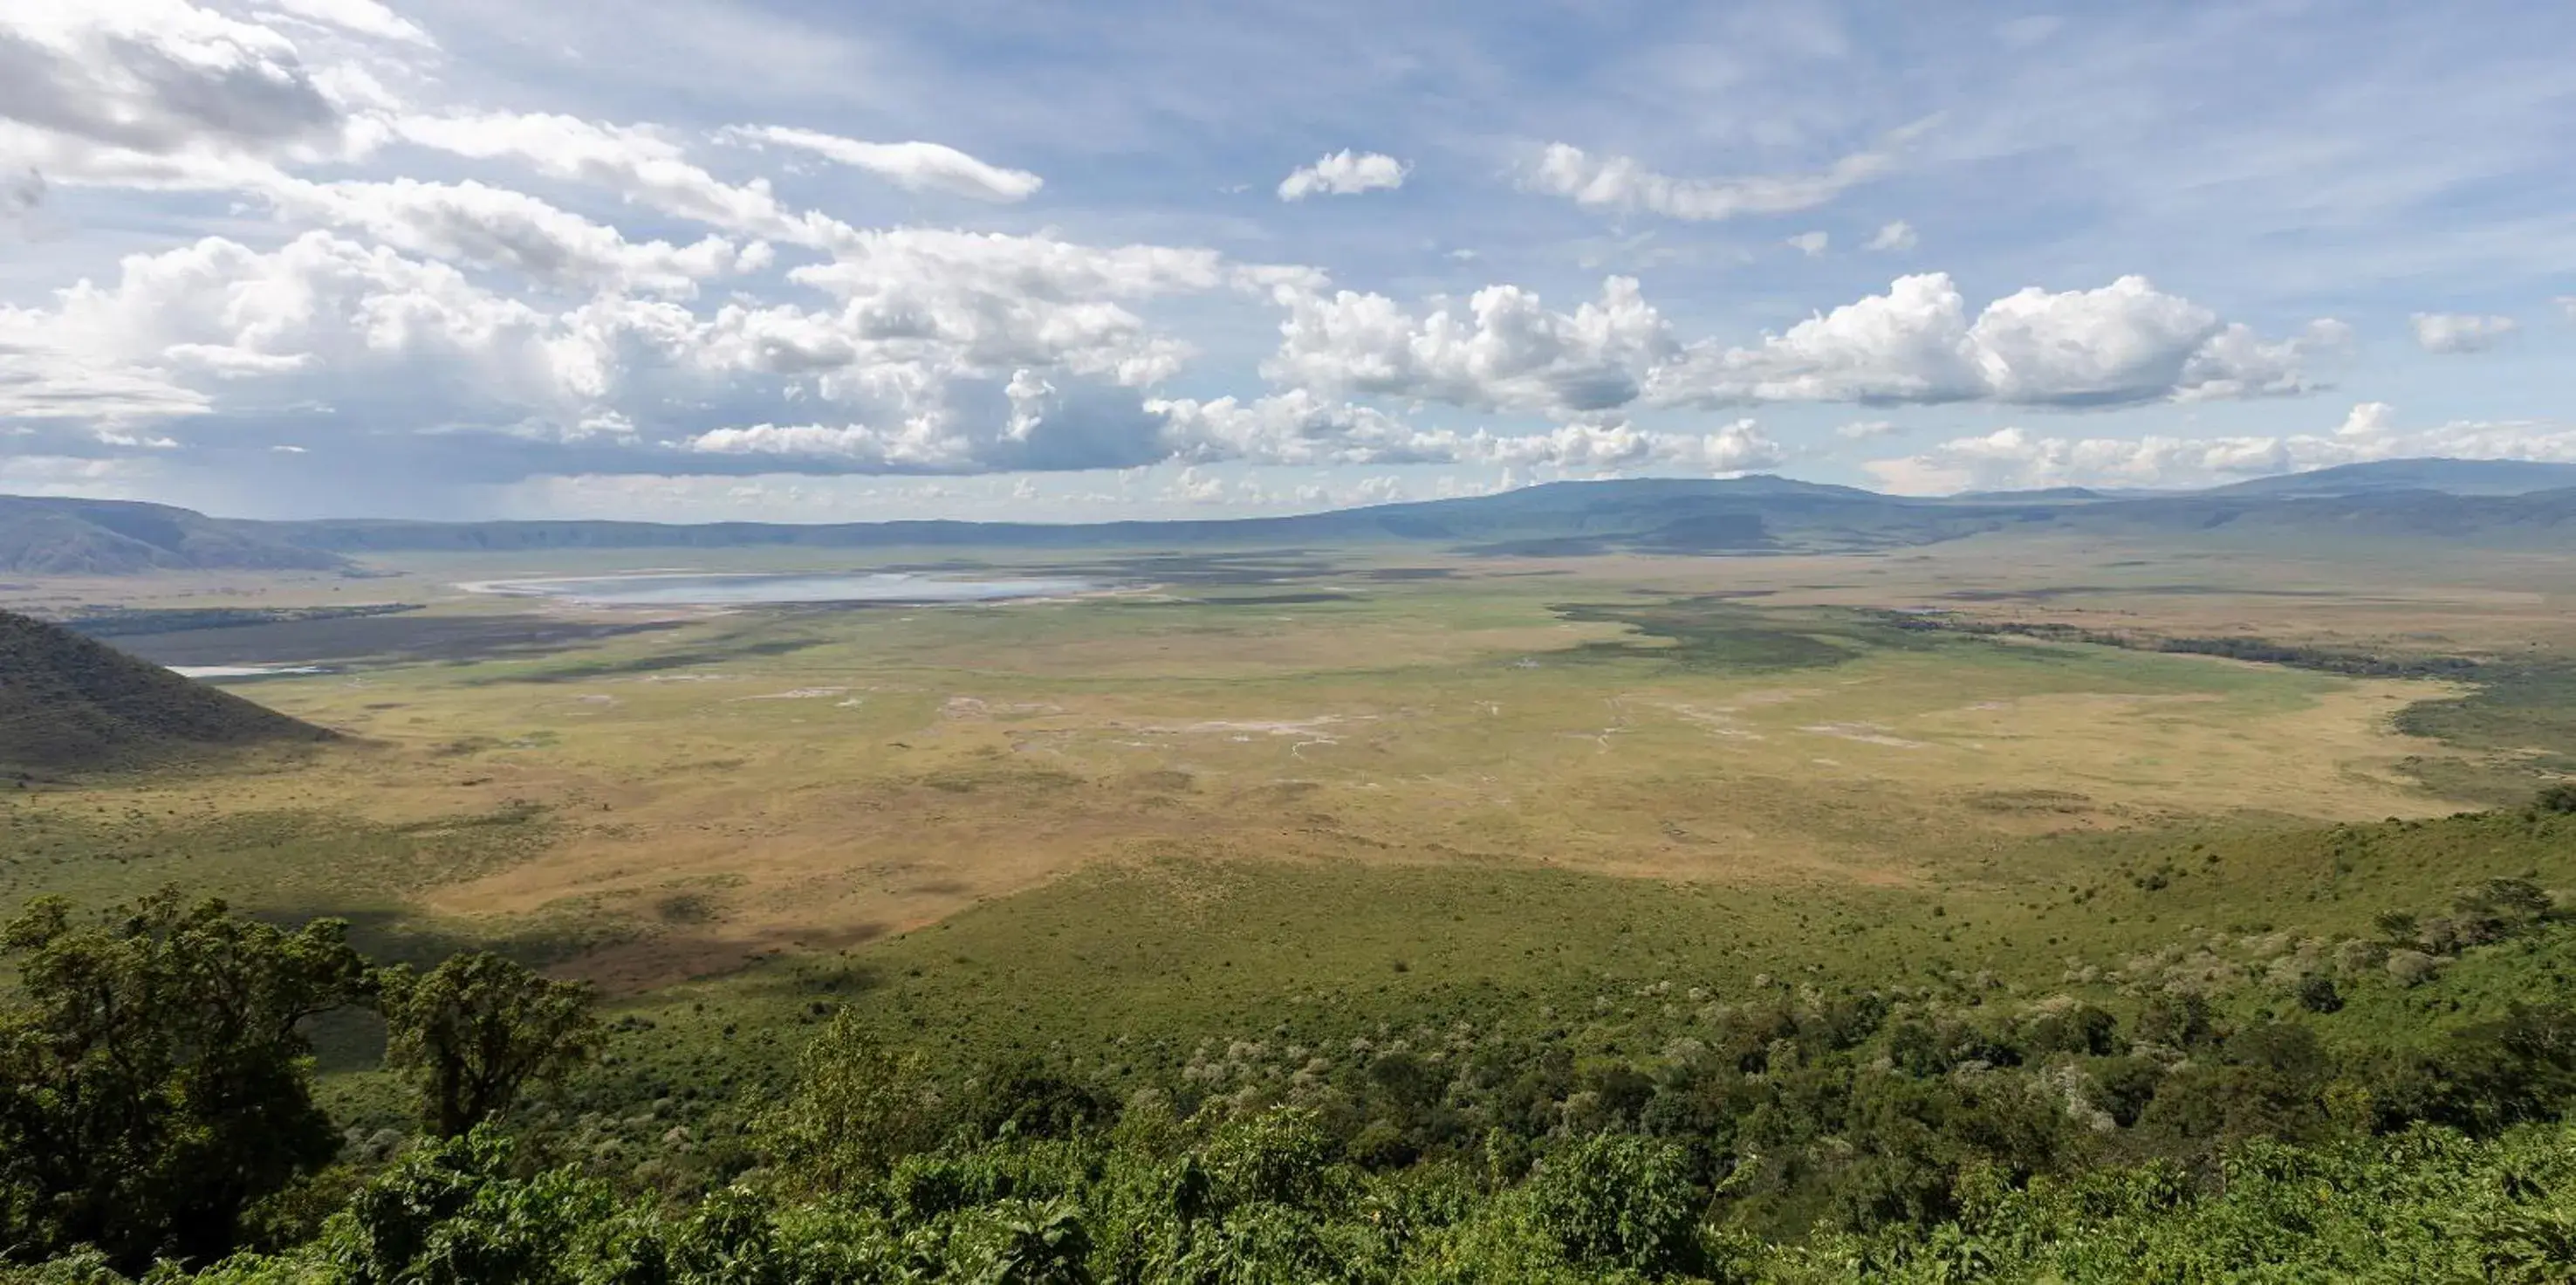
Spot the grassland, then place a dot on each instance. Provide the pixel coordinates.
(1235, 788)
(1237, 816)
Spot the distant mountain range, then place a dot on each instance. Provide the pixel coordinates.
(2451, 477)
(2500, 503)
(68, 704)
(44, 536)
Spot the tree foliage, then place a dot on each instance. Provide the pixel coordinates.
(477, 1030)
(2170, 1132)
(154, 1073)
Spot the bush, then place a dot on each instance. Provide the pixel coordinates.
(2411, 967)
(1617, 1201)
(2317, 994)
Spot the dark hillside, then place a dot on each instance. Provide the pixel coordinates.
(68, 704)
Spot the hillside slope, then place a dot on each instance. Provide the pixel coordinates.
(68, 704)
(47, 536)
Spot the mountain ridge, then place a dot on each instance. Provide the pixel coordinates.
(2451, 476)
(61, 536)
(1747, 515)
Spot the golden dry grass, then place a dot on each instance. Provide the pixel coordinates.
(903, 764)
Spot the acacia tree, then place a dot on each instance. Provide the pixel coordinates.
(475, 1031)
(155, 1079)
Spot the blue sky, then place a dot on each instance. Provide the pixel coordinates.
(702, 259)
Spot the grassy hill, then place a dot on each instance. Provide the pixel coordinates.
(68, 704)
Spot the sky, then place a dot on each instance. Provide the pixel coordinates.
(692, 260)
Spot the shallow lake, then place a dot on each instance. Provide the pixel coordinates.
(659, 589)
(243, 671)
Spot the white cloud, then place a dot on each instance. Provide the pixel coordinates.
(167, 95)
(379, 284)
(637, 162)
(2451, 332)
(1626, 184)
(216, 322)
(1195, 486)
(497, 228)
(943, 304)
(84, 476)
(2017, 459)
(1295, 427)
(39, 380)
(2123, 343)
(943, 350)
(363, 17)
(1299, 428)
(1343, 173)
(155, 76)
(917, 444)
(1505, 351)
(912, 166)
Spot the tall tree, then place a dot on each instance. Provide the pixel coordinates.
(477, 1030)
(155, 1078)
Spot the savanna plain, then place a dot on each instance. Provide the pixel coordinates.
(1452, 860)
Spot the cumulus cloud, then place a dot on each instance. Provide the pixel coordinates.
(498, 228)
(2018, 459)
(1343, 173)
(941, 350)
(450, 324)
(1505, 350)
(155, 76)
(917, 445)
(1894, 236)
(1809, 244)
(1862, 430)
(1625, 184)
(168, 95)
(41, 381)
(2123, 343)
(362, 17)
(331, 311)
(1300, 428)
(637, 162)
(2451, 332)
(912, 166)
(980, 304)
